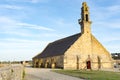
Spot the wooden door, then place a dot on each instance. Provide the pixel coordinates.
(88, 64)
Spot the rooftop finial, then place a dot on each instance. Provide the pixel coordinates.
(84, 4)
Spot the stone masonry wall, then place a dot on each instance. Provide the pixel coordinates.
(49, 62)
(11, 72)
(87, 48)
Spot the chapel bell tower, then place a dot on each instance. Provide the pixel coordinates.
(85, 19)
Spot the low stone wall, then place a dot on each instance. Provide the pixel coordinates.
(12, 72)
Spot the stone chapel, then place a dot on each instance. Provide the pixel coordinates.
(79, 51)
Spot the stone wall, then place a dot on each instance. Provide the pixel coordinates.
(11, 72)
(87, 48)
(49, 62)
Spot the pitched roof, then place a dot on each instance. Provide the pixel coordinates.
(58, 47)
(115, 56)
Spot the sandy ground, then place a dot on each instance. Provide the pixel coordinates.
(45, 74)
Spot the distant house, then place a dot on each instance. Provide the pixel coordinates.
(116, 56)
(116, 59)
(79, 51)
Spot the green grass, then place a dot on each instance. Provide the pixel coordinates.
(23, 74)
(91, 75)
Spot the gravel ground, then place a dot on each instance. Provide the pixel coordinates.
(45, 74)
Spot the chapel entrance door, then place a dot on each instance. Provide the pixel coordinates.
(88, 63)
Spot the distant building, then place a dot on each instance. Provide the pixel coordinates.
(116, 59)
(27, 63)
(79, 51)
(116, 56)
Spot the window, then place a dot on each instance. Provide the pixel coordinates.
(86, 17)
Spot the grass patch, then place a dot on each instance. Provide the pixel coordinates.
(91, 75)
(23, 74)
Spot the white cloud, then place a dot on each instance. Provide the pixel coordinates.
(114, 48)
(30, 1)
(34, 1)
(18, 33)
(108, 39)
(32, 26)
(15, 40)
(20, 49)
(111, 24)
(105, 13)
(115, 8)
(11, 24)
(6, 6)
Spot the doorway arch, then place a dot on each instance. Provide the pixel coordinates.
(37, 64)
(77, 60)
(99, 62)
(88, 64)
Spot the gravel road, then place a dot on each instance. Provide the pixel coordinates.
(45, 74)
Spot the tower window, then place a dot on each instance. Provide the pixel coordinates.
(86, 9)
(86, 17)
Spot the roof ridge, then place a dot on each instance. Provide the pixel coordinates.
(66, 37)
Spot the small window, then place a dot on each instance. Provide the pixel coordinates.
(86, 9)
(86, 17)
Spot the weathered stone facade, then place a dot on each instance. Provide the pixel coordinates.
(77, 55)
(49, 62)
(80, 51)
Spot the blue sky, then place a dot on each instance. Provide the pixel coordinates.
(27, 26)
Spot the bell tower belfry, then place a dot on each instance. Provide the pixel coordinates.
(85, 19)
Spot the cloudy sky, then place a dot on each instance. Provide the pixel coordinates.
(27, 26)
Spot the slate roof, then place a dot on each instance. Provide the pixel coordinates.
(58, 47)
(115, 56)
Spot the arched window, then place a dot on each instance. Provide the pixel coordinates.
(86, 9)
(77, 61)
(86, 17)
(99, 62)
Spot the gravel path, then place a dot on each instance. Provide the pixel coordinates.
(46, 74)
